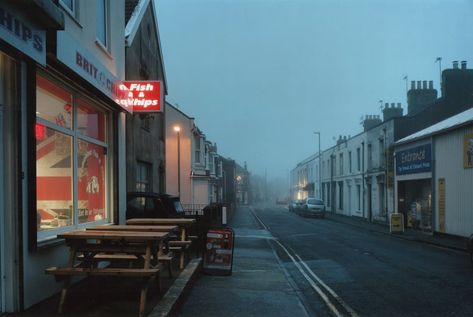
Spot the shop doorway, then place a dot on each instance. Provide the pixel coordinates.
(415, 203)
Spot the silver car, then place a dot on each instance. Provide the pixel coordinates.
(314, 207)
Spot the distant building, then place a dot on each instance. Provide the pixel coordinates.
(358, 172)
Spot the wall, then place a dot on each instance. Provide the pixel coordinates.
(174, 117)
(145, 132)
(448, 153)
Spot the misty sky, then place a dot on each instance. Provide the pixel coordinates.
(261, 76)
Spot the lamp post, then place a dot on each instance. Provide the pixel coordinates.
(177, 129)
(320, 170)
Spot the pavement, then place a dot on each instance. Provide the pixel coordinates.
(436, 239)
(258, 285)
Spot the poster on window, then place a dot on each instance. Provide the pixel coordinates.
(468, 151)
(91, 182)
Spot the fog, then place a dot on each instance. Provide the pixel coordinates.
(261, 76)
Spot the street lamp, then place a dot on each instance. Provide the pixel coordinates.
(177, 129)
(320, 170)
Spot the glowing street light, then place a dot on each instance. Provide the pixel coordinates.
(177, 129)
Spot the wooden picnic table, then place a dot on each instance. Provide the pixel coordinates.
(89, 243)
(153, 228)
(183, 224)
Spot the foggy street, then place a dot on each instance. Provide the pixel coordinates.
(373, 274)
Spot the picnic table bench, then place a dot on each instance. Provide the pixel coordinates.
(140, 245)
(182, 244)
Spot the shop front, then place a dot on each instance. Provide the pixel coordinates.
(22, 47)
(414, 185)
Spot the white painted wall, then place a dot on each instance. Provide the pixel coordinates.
(174, 117)
(448, 152)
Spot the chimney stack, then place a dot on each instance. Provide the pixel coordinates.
(391, 111)
(421, 96)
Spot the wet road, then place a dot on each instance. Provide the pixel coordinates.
(341, 269)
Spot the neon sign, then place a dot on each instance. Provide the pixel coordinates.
(140, 96)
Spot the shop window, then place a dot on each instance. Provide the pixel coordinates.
(90, 121)
(53, 103)
(71, 159)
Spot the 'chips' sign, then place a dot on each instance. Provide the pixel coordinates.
(141, 96)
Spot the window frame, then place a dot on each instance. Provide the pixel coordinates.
(103, 43)
(43, 236)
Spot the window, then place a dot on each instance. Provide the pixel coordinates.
(381, 152)
(358, 196)
(197, 142)
(144, 172)
(102, 22)
(71, 159)
(349, 162)
(370, 156)
(341, 163)
(340, 195)
(358, 159)
(69, 5)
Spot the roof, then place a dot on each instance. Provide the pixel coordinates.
(134, 12)
(453, 122)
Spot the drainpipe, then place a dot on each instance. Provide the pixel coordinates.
(363, 174)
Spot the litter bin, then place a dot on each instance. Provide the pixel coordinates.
(218, 253)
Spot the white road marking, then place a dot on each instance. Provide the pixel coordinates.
(311, 282)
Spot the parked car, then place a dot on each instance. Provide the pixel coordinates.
(295, 205)
(313, 207)
(153, 205)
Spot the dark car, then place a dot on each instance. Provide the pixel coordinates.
(153, 205)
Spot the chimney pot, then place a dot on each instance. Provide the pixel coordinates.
(386, 105)
(419, 84)
(463, 64)
(431, 84)
(392, 105)
(424, 84)
(455, 64)
(413, 84)
(399, 105)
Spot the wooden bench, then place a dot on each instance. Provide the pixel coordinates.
(67, 272)
(180, 246)
(165, 259)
